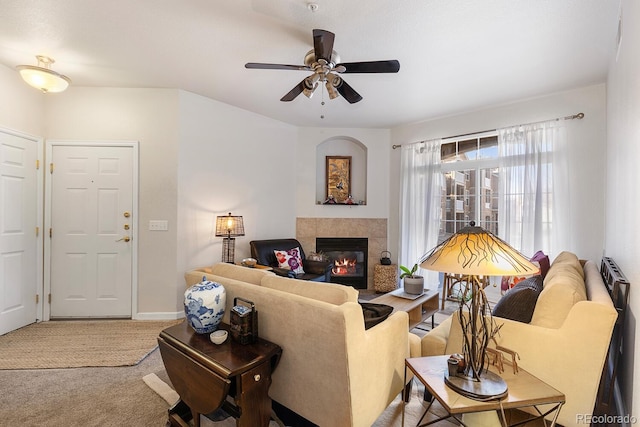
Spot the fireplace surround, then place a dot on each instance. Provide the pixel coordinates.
(308, 229)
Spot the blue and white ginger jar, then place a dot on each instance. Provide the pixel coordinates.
(204, 305)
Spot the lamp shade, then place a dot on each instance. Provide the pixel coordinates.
(43, 77)
(475, 251)
(229, 226)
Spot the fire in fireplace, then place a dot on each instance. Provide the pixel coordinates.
(345, 266)
(348, 256)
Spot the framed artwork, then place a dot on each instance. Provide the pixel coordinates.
(338, 177)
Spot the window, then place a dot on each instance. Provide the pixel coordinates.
(471, 179)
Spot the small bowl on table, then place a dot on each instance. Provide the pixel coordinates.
(219, 336)
(249, 262)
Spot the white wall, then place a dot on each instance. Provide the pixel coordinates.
(377, 173)
(586, 137)
(623, 181)
(149, 116)
(22, 107)
(231, 160)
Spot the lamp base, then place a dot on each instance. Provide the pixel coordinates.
(490, 386)
(228, 249)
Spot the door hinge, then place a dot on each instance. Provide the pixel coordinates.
(49, 298)
(37, 298)
(37, 231)
(50, 232)
(50, 167)
(37, 164)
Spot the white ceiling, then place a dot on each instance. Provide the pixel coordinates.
(455, 55)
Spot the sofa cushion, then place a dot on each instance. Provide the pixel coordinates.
(290, 259)
(321, 291)
(237, 272)
(563, 287)
(569, 260)
(518, 304)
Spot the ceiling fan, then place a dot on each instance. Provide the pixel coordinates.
(325, 64)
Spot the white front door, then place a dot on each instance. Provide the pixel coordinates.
(18, 231)
(92, 245)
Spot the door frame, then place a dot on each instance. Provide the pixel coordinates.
(39, 216)
(49, 145)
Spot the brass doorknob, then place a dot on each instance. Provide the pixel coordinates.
(125, 238)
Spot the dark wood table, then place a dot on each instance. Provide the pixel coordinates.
(205, 374)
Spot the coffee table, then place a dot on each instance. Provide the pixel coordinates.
(524, 390)
(419, 308)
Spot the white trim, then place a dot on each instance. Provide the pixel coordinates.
(160, 315)
(134, 216)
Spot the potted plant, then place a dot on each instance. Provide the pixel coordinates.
(412, 283)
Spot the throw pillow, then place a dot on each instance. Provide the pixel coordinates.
(543, 262)
(538, 258)
(290, 260)
(518, 304)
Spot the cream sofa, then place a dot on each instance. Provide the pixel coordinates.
(566, 342)
(333, 372)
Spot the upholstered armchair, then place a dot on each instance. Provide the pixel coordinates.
(264, 252)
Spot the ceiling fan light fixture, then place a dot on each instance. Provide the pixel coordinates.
(323, 61)
(333, 93)
(310, 85)
(331, 84)
(42, 77)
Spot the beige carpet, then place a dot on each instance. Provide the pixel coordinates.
(392, 416)
(80, 343)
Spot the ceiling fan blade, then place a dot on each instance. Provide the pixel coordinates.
(261, 66)
(348, 92)
(390, 66)
(293, 93)
(323, 44)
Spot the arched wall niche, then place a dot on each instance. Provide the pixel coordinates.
(343, 146)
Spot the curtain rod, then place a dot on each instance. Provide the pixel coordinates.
(574, 116)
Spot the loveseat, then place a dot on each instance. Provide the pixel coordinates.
(332, 371)
(565, 344)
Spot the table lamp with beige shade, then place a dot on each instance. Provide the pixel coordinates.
(474, 253)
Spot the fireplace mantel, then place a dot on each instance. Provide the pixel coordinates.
(374, 229)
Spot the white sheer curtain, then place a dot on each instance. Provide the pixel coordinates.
(534, 188)
(420, 209)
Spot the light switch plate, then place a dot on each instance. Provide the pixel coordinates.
(158, 225)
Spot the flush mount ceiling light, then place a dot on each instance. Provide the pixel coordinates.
(43, 77)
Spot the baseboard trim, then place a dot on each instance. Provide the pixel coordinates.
(169, 315)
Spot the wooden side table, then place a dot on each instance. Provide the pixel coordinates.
(385, 277)
(524, 390)
(419, 307)
(204, 374)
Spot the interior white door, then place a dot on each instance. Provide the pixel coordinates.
(18, 237)
(91, 229)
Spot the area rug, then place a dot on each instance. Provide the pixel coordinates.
(80, 343)
(391, 417)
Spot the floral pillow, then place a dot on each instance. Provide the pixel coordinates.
(290, 260)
